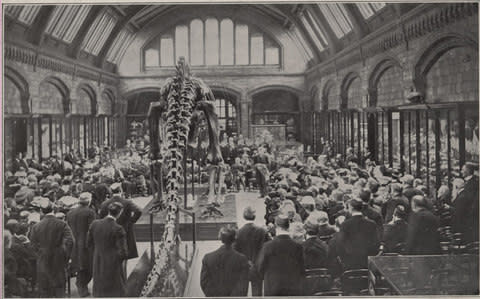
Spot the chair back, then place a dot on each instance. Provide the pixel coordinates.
(354, 282)
(317, 280)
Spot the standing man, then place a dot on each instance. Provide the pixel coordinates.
(422, 237)
(107, 240)
(131, 213)
(261, 162)
(52, 240)
(249, 242)
(225, 271)
(79, 220)
(280, 263)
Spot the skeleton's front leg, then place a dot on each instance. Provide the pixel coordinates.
(212, 178)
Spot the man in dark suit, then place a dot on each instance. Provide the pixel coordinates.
(225, 271)
(396, 198)
(395, 232)
(357, 239)
(107, 240)
(79, 220)
(465, 212)
(101, 192)
(250, 239)
(315, 251)
(408, 191)
(131, 213)
(370, 212)
(281, 264)
(422, 237)
(52, 240)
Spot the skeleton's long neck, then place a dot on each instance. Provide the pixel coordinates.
(179, 112)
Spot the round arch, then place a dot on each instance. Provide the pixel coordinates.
(60, 87)
(92, 97)
(23, 88)
(378, 71)
(108, 97)
(434, 51)
(327, 89)
(347, 81)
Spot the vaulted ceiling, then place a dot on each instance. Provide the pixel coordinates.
(100, 34)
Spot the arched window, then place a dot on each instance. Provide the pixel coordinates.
(226, 42)
(196, 42)
(227, 116)
(256, 49)
(241, 44)
(212, 42)
(181, 42)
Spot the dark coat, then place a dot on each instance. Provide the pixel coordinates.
(393, 234)
(107, 240)
(465, 216)
(131, 213)
(79, 220)
(315, 253)
(250, 239)
(52, 240)
(224, 273)
(376, 217)
(423, 237)
(281, 264)
(409, 192)
(326, 230)
(100, 193)
(357, 240)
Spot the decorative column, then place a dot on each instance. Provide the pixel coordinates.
(245, 117)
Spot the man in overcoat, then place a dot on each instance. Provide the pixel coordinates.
(52, 240)
(131, 213)
(108, 241)
(79, 219)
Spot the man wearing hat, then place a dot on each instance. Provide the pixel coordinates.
(395, 232)
(131, 213)
(52, 240)
(107, 239)
(370, 212)
(396, 198)
(79, 220)
(358, 238)
(250, 239)
(281, 263)
(407, 189)
(315, 250)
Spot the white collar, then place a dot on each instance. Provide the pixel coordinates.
(110, 216)
(280, 232)
(355, 213)
(468, 178)
(310, 236)
(249, 221)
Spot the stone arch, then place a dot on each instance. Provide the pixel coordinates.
(108, 102)
(346, 83)
(293, 90)
(378, 71)
(22, 86)
(434, 51)
(61, 88)
(327, 89)
(92, 98)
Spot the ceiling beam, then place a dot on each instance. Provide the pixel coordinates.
(130, 12)
(360, 27)
(76, 45)
(288, 11)
(36, 32)
(332, 40)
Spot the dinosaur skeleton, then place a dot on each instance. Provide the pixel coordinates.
(184, 101)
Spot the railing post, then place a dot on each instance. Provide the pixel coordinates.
(152, 249)
(194, 229)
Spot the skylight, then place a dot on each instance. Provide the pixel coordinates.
(66, 21)
(24, 14)
(337, 18)
(316, 38)
(98, 33)
(119, 45)
(369, 9)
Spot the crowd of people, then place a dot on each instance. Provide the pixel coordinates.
(49, 207)
(331, 213)
(74, 216)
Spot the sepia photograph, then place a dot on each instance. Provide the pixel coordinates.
(240, 149)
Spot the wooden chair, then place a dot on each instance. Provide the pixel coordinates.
(317, 280)
(355, 282)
